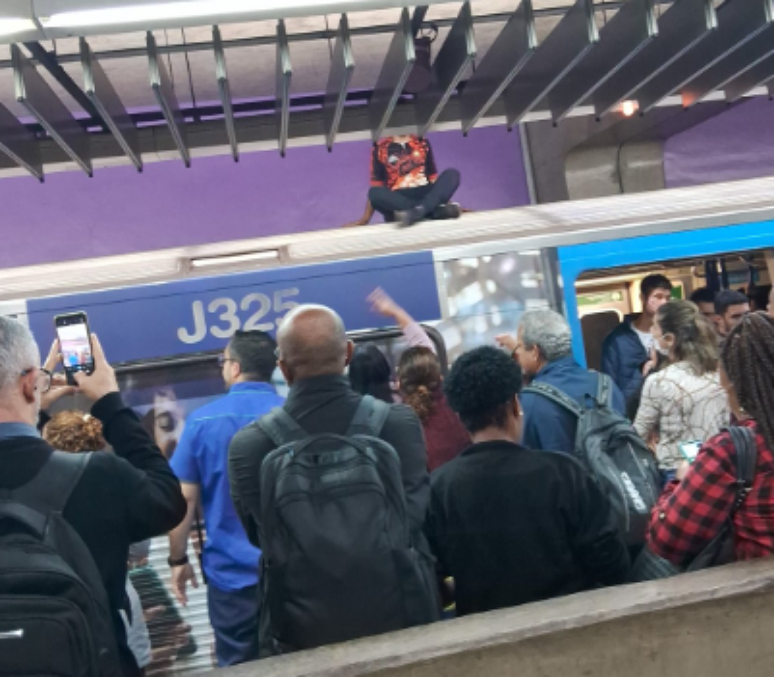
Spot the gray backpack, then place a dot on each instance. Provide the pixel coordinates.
(612, 451)
(338, 561)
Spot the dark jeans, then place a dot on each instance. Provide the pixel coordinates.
(430, 196)
(234, 618)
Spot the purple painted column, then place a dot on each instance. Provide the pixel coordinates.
(120, 211)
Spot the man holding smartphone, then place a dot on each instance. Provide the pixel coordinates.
(119, 498)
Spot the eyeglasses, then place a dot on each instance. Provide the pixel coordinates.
(222, 359)
(45, 377)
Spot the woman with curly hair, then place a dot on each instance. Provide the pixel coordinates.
(513, 525)
(420, 386)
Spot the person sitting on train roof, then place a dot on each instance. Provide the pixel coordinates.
(406, 185)
(321, 405)
(120, 498)
(200, 462)
(369, 371)
(695, 506)
(626, 349)
(513, 525)
(730, 306)
(704, 298)
(543, 349)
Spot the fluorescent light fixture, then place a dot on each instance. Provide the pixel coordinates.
(11, 26)
(213, 261)
(169, 11)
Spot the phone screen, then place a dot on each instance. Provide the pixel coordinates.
(75, 343)
(690, 449)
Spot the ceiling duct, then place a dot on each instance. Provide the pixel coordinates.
(621, 38)
(342, 67)
(758, 75)
(34, 93)
(103, 96)
(167, 100)
(284, 77)
(451, 64)
(738, 22)
(19, 144)
(680, 29)
(515, 44)
(392, 77)
(564, 47)
(740, 60)
(224, 91)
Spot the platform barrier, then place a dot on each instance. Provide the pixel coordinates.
(717, 623)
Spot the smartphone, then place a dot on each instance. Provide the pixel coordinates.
(690, 449)
(74, 336)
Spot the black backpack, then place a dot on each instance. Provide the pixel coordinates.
(338, 562)
(618, 458)
(54, 615)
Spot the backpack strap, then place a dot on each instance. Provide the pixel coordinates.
(281, 427)
(604, 389)
(746, 462)
(369, 418)
(556, 396)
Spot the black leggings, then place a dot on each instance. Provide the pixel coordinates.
(430, 196)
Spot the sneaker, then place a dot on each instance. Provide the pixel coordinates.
(411, 216)
(448, 211)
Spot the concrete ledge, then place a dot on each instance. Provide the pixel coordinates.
(716, 622)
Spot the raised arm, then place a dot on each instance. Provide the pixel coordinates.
(384, 305)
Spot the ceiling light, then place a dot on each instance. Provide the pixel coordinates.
(190, 9)
(629, 107)
(11, 26)
(212, 261)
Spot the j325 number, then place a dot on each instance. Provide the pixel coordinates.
(227, 321)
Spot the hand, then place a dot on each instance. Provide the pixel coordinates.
(103, 380)
(355, 224)
(506, 341)
(59, 387)
(382, 303)
(682, 470)
(180, 577)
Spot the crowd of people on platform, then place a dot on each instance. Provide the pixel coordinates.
(373, 498)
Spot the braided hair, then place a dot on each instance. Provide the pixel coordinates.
(748, 358)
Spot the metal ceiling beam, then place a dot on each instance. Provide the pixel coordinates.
(565, 46)
(165, 97)
(745, 82)
(392, 78)
(620, 40)
(680, 29)
(19, 144)
(738, 22)
(101, 93)
(342, 66)
(452, 62)
(418, 18)
(755, 50)
(512, 48)
(284, 77)
(224, 90)
(34, 93)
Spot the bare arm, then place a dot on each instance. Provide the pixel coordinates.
(365, 219)
(416, 336)
(178, 545)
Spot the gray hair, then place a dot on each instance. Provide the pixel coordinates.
(547, 330)
(18, 351)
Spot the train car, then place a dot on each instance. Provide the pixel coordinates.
(467, 281)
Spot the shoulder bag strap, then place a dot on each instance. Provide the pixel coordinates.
(50, 489)
(604, 389)
(281, 427)
(746, 462)
(556, 396)
(369, 417)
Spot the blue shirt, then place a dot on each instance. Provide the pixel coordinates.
(17, 430)
(201, 457)
(549, 426)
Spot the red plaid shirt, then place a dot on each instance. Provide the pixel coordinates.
(690, 513)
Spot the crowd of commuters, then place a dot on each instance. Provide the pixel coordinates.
(375, 494)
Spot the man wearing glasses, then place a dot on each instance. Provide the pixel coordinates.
(201, 464)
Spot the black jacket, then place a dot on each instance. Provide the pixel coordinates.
(122, 497)
(328, 404)
(513, 526)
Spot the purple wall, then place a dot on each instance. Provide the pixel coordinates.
(738, 144)
(120, 211)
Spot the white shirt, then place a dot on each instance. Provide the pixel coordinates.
(646, 338)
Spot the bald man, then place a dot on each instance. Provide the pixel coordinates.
(313, 355)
